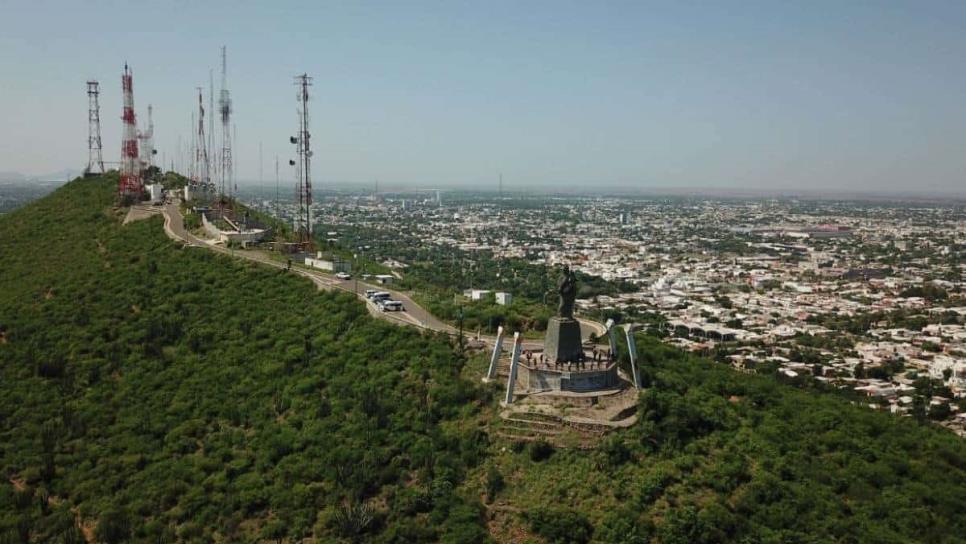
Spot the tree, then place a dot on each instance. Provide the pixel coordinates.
(940, 412)
(113, 526)
(560, 526)
(275, 531)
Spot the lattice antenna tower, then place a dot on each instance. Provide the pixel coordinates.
(202, 162)
(304, 150)
(95, 155)
(146, 138)
(212, 153)
(224, 106)
(129, 185)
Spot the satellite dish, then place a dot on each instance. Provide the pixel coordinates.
(292, 139)
(308, 153)
(291, 162)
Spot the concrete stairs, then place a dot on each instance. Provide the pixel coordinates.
(528, 426)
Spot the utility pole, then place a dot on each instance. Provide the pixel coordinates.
(276, 187)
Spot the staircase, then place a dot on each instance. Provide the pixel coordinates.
(521, 426)
(527, 427)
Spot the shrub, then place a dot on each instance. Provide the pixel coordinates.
(540, 450)
(560, 526)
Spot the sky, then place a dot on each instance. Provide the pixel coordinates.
(865, 96)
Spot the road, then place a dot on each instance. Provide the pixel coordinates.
(415, 315)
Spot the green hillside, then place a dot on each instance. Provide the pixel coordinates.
(165, 391)
(152, 393)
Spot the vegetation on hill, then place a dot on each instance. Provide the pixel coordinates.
(153, 393)
(719, 456)
(173, 181)
(171, 393)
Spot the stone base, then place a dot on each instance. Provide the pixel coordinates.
(562, 343)
(541, 378)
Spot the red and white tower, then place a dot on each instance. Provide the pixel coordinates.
(130, 184)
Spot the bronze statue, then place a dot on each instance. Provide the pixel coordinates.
(568, 293)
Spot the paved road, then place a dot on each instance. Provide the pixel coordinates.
(415, 315)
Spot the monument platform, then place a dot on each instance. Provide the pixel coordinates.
(586, 377)
(566, 393)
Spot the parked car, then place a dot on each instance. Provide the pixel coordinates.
(343, 276)
(380, 295)
(391, 306)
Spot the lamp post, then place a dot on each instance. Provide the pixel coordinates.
(355, 273)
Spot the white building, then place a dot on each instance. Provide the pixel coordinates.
(329, 265)
(155, 192)
(384, 279)
(475, 294)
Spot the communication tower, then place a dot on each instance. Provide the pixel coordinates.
(129, 185)
(202, 164)
(224, 106)
(95, 158)
(147, 142)
(303, 222)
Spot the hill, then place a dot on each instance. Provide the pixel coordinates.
(160, 392)
(153, 393)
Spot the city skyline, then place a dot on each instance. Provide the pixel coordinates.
(620, 96)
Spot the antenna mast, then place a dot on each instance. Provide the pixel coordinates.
(303, 224)
(95, 157)
(129, 185)
(203, 164)
(147, 142)
(212, 153)
(276, 187)
(224, 104)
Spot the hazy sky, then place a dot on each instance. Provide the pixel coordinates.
(847, 95)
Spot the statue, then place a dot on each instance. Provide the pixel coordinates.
(568, 293)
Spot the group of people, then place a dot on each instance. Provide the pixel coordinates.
(598, 358)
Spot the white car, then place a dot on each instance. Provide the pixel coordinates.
(391, 306)
(343, 276)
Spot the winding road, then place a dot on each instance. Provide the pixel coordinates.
(415, 315)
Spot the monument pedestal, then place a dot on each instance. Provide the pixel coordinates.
(562, 343)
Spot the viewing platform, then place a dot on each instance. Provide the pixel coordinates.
(567, 384)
